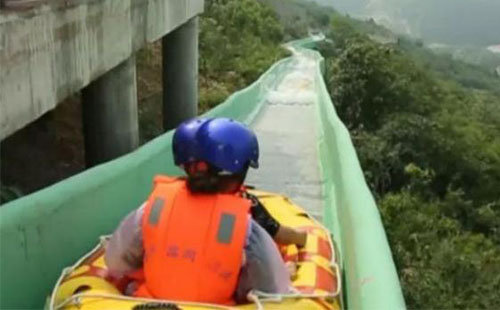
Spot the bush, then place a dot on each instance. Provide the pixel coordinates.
(427, 132)
(239, 40)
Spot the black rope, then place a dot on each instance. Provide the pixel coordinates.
(157, 306)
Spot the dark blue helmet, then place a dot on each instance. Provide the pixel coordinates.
(184, 144)
(227, 145)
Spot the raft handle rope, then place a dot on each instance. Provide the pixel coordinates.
(258, 297)
(68, 270)
(255, 296)
(77, 298)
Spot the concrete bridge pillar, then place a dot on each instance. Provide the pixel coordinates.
(109, 108)
(180, 74)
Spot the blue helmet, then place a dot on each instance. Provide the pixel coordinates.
(227, 145)
(184, 144)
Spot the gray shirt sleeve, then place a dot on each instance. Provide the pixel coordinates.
(124, 251)
(264, 269)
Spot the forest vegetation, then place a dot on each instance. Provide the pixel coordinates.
(455, 22)
(427, 132)
(425, 126)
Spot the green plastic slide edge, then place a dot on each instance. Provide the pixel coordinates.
(350, 212)
(48, 230)
(44, 232)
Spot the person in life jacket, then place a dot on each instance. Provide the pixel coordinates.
(194, 238)
(185, 150)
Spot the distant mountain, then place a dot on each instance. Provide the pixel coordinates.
(478, 56)
(494, 49)
(352, 7)
(457, 22)
(299, 17)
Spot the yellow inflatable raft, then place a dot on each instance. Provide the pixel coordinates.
(317, 282)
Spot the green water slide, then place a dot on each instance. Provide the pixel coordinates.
(44, 232)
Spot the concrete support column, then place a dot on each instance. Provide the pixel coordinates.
(110, 120)
(180, 74)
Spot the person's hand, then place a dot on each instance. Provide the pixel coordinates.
(301, 238)
(292, 269)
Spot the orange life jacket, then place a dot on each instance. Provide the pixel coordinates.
(193, 244)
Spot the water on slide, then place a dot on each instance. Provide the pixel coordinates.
(286, 131)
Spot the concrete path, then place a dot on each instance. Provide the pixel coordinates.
(286, 131)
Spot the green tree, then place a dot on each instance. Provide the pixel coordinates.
(239, 40)
(427, 132)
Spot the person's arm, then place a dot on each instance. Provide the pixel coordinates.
(264, 269)
(281, 234)
(124, 251)
(287, 235)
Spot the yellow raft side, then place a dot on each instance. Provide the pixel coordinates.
(317, 280)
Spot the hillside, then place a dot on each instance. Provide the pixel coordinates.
(300, 17)
(456, 22)
(426, 129)
(478, 56)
